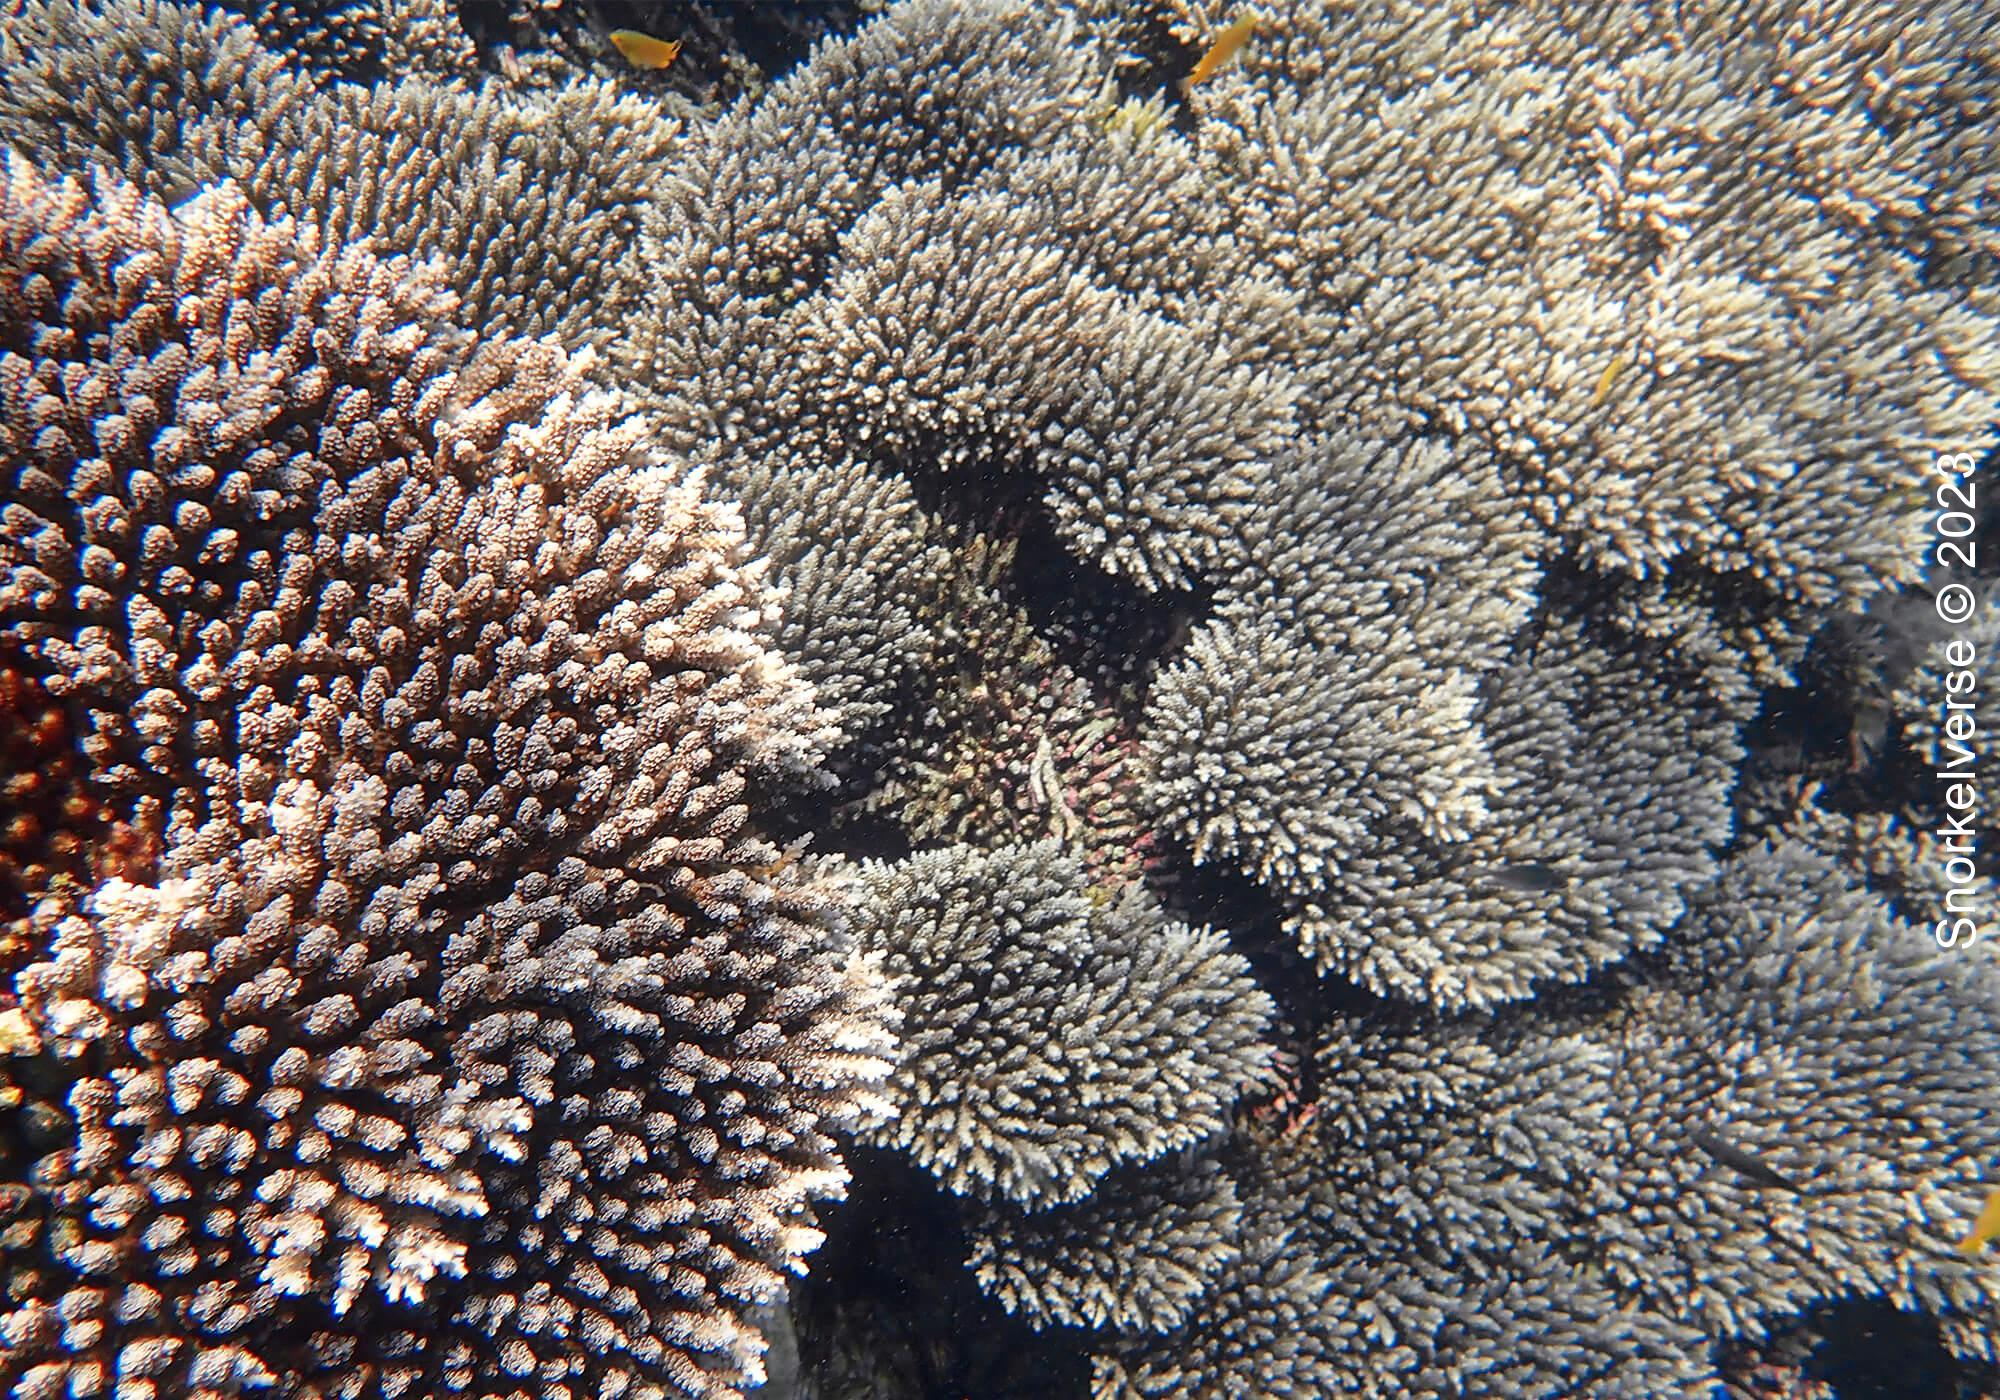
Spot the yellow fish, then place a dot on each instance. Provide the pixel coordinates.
(643, 50)
(1985, 1229)
(1221, 51)
(1618, 365)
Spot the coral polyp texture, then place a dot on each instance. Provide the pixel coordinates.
(1487, 846)
(525, 199)
(1617, 1113)
(1048, 1036)
(1134, 1257)
(464, 1031)
(1270, 672)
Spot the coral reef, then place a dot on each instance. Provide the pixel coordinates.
(1507, 861)
(1051, 1030)
(1594, 195)
(459, 959)
(1441, 1152)
(1304, 699)
(1259, 1330)
(1134, 1256)
(369, 40)
(852, 552)
(530, 201)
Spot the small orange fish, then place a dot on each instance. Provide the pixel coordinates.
(1985, 1229)
(643, 50)
(1221, 51)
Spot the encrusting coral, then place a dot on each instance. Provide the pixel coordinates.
(460, 959)
(1257, 581)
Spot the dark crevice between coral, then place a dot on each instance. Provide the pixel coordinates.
(1308, 1002)
(889, 1309)
(1834, 722)
(1106, 628)
(1840, 729)
(775, 35)
(1163, 62)
(1864, 1350)
(840, 819)
(995, 497)
(1736, 600)
(840, 814)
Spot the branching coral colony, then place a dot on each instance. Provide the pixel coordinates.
(1203, 673)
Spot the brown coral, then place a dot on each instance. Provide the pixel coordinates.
(467, 1030)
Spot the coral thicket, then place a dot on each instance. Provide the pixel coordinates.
(458, 959)
(1286, 698)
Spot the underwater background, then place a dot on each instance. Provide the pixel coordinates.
(949, 699)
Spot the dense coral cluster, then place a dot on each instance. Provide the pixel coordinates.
(1507, 862)
(1442, 1151)
(381, 37)
(1260, 1330)
(460, 959)
(1136, 1255)
(853, 554)
(1594, 195)
(912, 301)
(1016, 744)
(1052, 1029)
(531, 202)
(1282, 604)
(54, 831)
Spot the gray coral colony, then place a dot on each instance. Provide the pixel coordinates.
(1276, 664)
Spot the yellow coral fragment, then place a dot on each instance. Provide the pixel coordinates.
(17, 1036)
(1140, 118)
